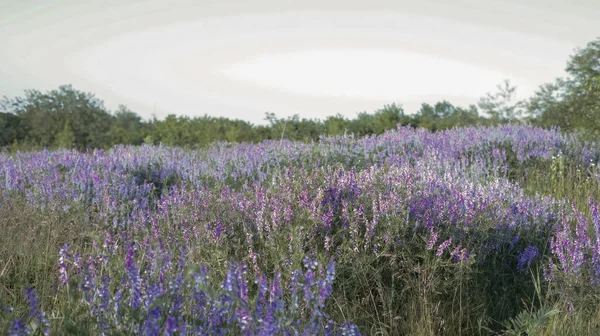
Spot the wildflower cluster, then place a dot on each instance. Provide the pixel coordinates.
(247, 238)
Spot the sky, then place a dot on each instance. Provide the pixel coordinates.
(240, 58)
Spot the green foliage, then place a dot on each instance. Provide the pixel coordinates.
(529, 322)
(336, 125)
(573, 103)
(502, 105)
(126, 128)
(11, 129)
(444, 115)
(44, 115)
(387, 118)
(69, 118)
(66, 138)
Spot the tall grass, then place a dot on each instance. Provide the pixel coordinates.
(475, 231)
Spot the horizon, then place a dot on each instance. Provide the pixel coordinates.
(314, 59)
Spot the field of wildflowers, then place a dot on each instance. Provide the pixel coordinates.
(472, 231)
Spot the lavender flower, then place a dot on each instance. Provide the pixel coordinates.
(18, 328)
(443, 246)
(35, 312)
(152, 327)
(527, 256)
(432, 240)
(62, 264)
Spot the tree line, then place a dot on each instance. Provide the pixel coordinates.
(68, 118)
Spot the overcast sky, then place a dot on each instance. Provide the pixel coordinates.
(240, 59)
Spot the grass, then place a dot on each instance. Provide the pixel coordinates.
(387, 280)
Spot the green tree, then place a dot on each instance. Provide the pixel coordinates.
(172, 130)
(462, 117)
(584, 68)
(362, 124)
(387, 118)
(573, 103)
(127, 127)
(584, 88)
(66, 137)
(44, 116)
(502, 105)
(427, 117)
(336, 125)
(11, 129)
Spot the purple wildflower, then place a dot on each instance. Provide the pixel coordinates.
(527, 257)
(152, 327)
(349, 329)
(432, 240)
(62, 264)
(18, 328)
(171, 326)
(443, 246)
(35, 312)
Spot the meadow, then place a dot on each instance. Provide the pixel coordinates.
(468, 231)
